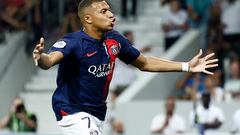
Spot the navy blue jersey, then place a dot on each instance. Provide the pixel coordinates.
(85, 72)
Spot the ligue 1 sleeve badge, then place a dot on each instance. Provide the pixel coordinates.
(60, 44)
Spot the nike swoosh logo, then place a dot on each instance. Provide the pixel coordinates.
(91, 54)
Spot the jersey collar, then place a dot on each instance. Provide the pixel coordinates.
(87, 37)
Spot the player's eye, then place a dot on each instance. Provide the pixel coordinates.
(103, 11)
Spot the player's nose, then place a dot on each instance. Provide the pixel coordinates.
(111, 15)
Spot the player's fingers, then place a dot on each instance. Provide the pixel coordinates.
(42, 41)
(199, 54)
(212, 61)
(35, 57)
(36, 62)
(212, 66)
(35, 51)
(207, 72)
(35, 54)
(37, 46)
(41, 48)
(209, 56)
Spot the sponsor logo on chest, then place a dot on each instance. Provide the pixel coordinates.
(101, 70)
(112, 48)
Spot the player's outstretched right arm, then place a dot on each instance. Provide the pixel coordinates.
(197, 64)
(43, 60)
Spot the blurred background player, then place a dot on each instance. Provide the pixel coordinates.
(168, 123)
(19, 119)
(232, 84)
(207, 117)
(174, 23)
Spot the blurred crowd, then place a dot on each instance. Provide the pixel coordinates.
(204, 119)
(219, 21)
(19, 119)
(22, 15)
(35, 18)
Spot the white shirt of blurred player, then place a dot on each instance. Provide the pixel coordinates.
(232, 85)
(208, 116)
(178, 18)
(176, 124)
(219, 95)
(236, 121)
(230, 17)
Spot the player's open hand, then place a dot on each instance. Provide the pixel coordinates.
(38, 51)
(198, 64)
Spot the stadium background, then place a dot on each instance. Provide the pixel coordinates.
(145, 96)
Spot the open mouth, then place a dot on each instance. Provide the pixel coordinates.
(114, 21)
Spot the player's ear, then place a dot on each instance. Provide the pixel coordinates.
(88, 19)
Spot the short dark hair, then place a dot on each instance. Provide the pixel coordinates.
(171, 98)
(206, 95)
(84, 4)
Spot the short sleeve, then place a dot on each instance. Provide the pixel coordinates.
(65, 46)
(127, 52)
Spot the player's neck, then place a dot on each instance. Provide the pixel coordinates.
(94, 33)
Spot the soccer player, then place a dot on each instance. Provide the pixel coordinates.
(168, 123)
(86, 62)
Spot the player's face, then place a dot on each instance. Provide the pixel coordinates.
(169, 106)
(102, 17)
(175, 6)
(206, 101)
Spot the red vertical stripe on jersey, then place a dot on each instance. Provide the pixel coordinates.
(113, 48)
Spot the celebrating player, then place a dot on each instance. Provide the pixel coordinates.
(86, 63)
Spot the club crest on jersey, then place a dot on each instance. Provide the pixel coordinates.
(114, 46)
(114, 49)
(60, 44)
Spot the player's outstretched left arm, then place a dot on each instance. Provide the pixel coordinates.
(43, 60)
(196, 64)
